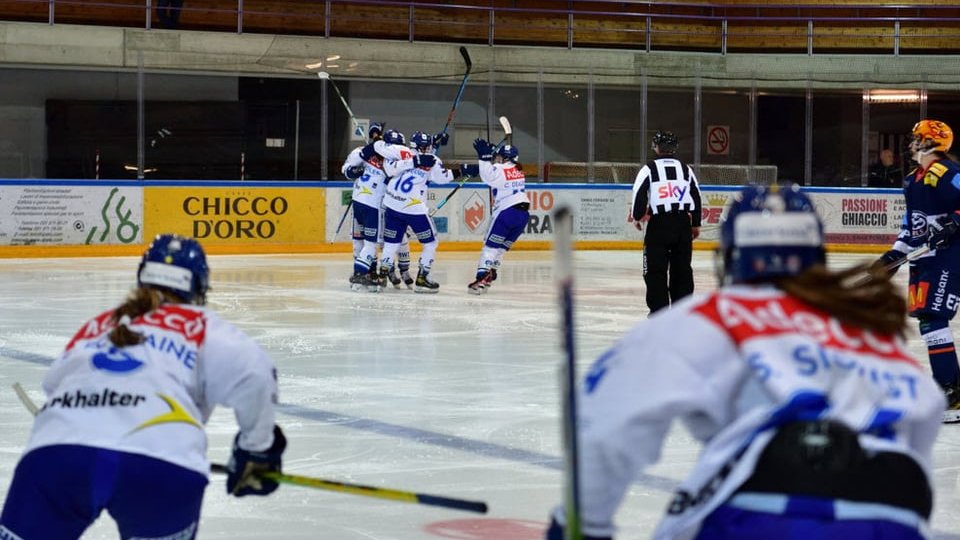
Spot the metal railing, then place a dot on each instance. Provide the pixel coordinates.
(640, 24)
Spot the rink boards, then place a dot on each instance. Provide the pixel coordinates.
(92, 218)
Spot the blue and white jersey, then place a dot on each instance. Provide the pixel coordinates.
(407, 193)
(396, 158)
(369, 188)
(749, 360)
(507, 182)
(154, 398)
(930, 195)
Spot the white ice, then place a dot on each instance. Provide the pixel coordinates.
(447, 394)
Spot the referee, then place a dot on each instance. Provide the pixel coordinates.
(666, 195)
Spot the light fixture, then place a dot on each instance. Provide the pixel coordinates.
(333, 57)
(314, 65)
(892, 96)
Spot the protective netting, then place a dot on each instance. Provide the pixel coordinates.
(625, 173)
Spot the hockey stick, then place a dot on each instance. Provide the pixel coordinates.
(329, 485)
(912, 256)
(508, 136)
(369, 491)
(563, 262)
(356, 125)
(343, 218)
(463, 85)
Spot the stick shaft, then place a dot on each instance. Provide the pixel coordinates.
(356, 124)
(463, 86)
(369, 491)
(343, 218)
(563, 265)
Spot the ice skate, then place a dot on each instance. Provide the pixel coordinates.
(407, 279)
(356, 281)
(425, 284)
(392, 276)
(482, 283)
(952, 414)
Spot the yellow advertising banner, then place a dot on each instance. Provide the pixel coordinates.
(278, 216)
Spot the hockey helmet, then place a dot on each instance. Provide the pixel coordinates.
(376, 128)
(508, 152)
(769, 232)
(931, 136)
(176, 264)
(665, 142)
(421, 141)
(393, 136)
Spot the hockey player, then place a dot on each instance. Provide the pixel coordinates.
(122, 428)
(667, 197)
(511, 208)
(816, 421)
(405, 206)
(932, 217)
(365, 168)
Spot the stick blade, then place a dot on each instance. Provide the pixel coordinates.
(466, 58)
(505, 123)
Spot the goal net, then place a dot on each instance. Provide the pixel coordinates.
(608, 172)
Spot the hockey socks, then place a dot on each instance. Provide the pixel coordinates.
(941, 350)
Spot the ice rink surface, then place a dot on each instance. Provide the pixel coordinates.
(448, 394)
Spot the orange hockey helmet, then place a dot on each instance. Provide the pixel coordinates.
(930, 136)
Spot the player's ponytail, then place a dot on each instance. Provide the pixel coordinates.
(861, 296)
(141, 300)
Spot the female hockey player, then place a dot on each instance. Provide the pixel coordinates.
(817, 423)
(511, 208)
(122, 426)
(932, 218)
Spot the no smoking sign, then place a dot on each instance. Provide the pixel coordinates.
(718, 140)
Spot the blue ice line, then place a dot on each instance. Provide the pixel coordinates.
(423, 436)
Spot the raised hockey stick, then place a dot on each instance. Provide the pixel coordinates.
(329, 485)
(463, 85)
(356, 124)
(369, 491)
(507, 136)
(563, 264)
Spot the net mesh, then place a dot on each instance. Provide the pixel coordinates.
(606, 172)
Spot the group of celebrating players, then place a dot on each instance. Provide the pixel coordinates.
(391, 180)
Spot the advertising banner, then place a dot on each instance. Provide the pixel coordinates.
(70, 215)
(237, 215)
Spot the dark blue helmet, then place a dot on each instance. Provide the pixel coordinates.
(393, 136)
(770, 232)
(508, 152)
(176, 264)
(375, 128)
(421, 141)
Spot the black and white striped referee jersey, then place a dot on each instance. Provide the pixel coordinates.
(664, 185)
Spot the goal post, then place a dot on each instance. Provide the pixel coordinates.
(609, 172)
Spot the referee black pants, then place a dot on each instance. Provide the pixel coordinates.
(667, 252)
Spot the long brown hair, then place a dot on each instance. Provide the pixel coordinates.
(140, 301)
(862, 295)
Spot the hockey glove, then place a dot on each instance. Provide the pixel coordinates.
(441, 139)
(367, 152)
(942, 231)
(354, 172)
(245, 466)
(484, 149)
(424, 161)
(891, 257)
(469, 170)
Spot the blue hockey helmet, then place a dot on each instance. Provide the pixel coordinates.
(393, 136)
(421, 141)
(508, 152)
(770, 232)
(176, 264)
(375, 128)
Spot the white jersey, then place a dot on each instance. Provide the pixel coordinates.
(508, 183)
(154, 398)
(396, 158)
(369, 188)
(746, 353)
(407, 193)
